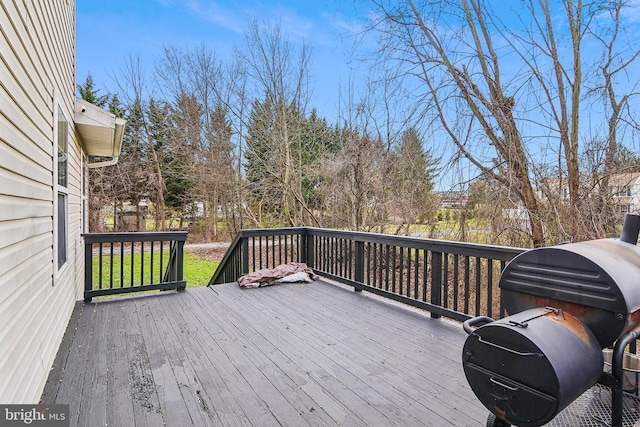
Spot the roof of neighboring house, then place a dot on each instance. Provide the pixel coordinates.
(617, 179)
(624, 178)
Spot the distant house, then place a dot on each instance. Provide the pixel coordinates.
(624, 189)
(453, 199)
(46, 136)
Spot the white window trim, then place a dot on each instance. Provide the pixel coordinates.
(57, 189)
(84, 195)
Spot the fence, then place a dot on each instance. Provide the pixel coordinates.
(118, 263)
(451, 279)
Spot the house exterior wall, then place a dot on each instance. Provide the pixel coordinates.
(634, 200)
(626, 192)
(37, 75)
(624, 189)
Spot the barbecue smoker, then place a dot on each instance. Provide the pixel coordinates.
(565, 304)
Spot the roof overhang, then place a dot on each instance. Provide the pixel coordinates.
(100, 131)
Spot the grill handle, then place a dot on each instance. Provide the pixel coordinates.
(470, 324)
(503, 385)
(507, 349)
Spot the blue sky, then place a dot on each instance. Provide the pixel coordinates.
(109, 32)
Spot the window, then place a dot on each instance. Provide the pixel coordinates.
(62, 142)
(622, 191)
(62, 230)
(63, 133)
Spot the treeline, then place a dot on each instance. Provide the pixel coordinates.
(527, 112)
(221, 148)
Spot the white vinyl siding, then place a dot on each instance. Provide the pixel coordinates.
(37, 44)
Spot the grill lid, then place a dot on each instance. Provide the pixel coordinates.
(599, 273)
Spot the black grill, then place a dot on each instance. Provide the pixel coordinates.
(564, 304)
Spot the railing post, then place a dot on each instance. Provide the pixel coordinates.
(436, 281)
(302, 248)
(359, 267)
(171, 267)
(180, 264)
(244, 245)
(88, 267)
(307, 250)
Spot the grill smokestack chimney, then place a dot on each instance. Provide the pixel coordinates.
(630, 229)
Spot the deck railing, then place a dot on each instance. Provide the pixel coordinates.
(118, 263)
(451, 279)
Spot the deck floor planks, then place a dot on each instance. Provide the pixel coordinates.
(385, 382)
(147, 410)
(119, 406)
(387, 360)
(238, 352)
(446, 378)
(301, 370)
(428, 341)
(95, 378)
(289, 355)
(70, 389)
(223, 388)
(173, 373)
(321, 356)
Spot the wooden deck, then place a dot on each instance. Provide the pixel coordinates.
(292, 354)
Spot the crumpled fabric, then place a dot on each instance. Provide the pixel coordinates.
(284, 273)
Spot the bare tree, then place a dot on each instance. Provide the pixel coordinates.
(133, 87)
(503, 94)
(461, 74)
(274, 149)
(353, 184)
(616, 62)
(195, 82)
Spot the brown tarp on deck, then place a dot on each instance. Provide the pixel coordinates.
(291, 272)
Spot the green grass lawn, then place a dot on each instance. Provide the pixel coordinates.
(197, 271)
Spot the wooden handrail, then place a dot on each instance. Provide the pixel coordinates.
(113, 277)
(452, 279)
